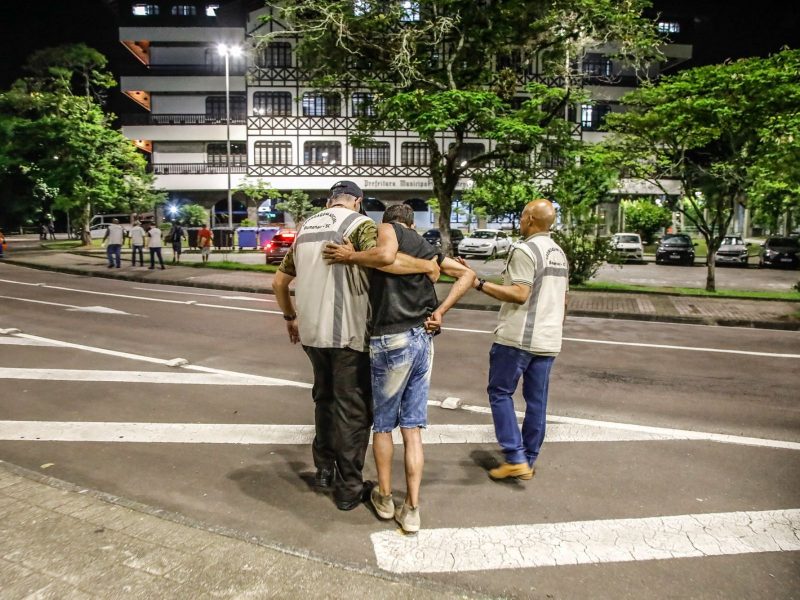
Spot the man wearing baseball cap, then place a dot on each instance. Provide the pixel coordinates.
(331, 320)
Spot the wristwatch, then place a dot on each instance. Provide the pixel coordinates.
(289, 317)
(479, 287)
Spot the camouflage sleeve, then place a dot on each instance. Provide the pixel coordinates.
(365, 236)
(287, 264)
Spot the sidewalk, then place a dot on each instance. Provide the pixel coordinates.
(766, 314)
(64, 542)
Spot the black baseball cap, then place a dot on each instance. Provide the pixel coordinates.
(346, 187)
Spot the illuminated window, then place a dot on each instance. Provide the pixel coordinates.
(316, 104)
(322, 153)
(211, 10)
(410, 10)
(272, 104)
(184, 10)
(376, 154)
(144, 10)
(669, 27)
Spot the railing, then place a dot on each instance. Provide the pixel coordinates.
(342, 171)
(189, 70)
(196, 169)
(168, 119)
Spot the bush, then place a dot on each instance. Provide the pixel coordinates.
(585, 253)
(645, 218)
(193, 215)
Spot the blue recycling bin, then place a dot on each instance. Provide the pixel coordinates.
(247, 237)
(265, 234)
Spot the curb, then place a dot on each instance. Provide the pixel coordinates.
(746, 323)
(180, 519)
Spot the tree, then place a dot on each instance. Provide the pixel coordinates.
(645, 218)
(52, 138)
(586, 179)
(193, 215)
(451, 69)
(298, 206)
(502, 193)
(724, 132)
(255, 193)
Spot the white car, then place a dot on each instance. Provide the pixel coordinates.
(485, 242)
(628, 246)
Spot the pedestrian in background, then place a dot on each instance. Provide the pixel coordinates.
(176, 236)
(527, 338)
(154, 243)
(113, 238)
(2, 244)
(51, 229)
(136, 241)
(204, 238)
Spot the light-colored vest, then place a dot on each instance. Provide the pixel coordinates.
(536, 326)
(332, 300)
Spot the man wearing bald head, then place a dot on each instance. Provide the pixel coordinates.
(527, 338)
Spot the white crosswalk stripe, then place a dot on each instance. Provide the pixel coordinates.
(587, 542)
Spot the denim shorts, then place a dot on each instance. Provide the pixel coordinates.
(401, 378)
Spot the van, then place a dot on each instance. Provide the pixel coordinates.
(99, 223)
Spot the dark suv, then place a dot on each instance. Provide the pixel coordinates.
(675, 248)
(780, 252)
(434, 238)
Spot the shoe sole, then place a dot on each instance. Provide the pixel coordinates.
(524, 477)
(381, 514)
(411, 531)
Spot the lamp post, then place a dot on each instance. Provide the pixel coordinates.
(227, 52)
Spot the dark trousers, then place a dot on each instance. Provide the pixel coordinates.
(342, 396)
(114, 254)
(153, 253)
(134, 251)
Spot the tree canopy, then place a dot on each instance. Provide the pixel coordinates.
(462, 71)
(726, 132)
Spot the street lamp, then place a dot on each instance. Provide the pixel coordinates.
(227, 52)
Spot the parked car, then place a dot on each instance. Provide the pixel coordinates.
(485, 242)
(675, 248)
(279, 245)
(628, 246)
(780, 252)
(732, 251)
(434, 238)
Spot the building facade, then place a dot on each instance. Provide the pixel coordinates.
(284, 131)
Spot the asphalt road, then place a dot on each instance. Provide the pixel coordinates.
(177, 438)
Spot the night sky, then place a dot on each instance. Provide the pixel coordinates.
(720, 30)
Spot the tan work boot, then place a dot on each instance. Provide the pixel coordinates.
(518, 470)
(407, 518)
(384, 505)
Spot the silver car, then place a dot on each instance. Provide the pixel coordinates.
(732, 251)
(628, 246)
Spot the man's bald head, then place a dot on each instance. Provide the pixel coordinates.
(538, 216)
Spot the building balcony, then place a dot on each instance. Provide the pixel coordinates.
(196, 169)
(154, 83)
(177, 119)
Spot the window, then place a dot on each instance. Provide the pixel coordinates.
(184, 10)
(211, 10)
(321, 105)
(218, 153)
(415, 154)
(596, 65)
(593, 116)
(410, 10)
(215, 107)
(144, 10)
(277, 54)
(361, 103)
(322, 153)
(669, 27)
(376, 154)
(468, 151)
(272, 103)
(273, 153)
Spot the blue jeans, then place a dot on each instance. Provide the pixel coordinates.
(114, 254)
(153, 253)
(401, 378)
(506, 366)
(134, 251)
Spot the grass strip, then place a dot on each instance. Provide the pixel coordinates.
(600, 286)
(228, 265)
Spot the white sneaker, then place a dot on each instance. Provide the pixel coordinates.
(407, 518)
(384, 505)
